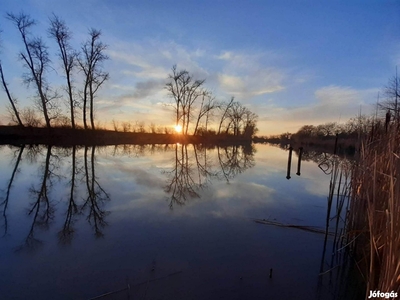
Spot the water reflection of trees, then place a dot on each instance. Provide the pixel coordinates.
(4, 203)
(66, 233)
(73, 170)
(234, 160)
(141, 150)
(41, 208)
(96, 195)
(194, 169)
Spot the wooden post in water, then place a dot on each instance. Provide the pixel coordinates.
(289, 162)
(336, 139)
(299, 161)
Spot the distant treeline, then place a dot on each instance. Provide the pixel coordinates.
(347, 136)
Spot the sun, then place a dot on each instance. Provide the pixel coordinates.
(178, 128)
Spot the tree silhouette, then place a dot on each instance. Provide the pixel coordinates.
(61, 34)
(36, 59)
(90, 61)
(13, 101)
(206, 106)
(185, 90)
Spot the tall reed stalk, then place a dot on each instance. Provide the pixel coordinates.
(374, 214)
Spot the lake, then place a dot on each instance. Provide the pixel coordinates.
(169, 222)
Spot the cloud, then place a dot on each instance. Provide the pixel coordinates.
(140, 71)
(141, 89)
(227, 55)
(153, 59)
(231, 83)
(338, 96)
(259, 83)
(249, 75)
(235, 200)
(334, 103)
(331, 104)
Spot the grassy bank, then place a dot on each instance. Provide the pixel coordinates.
(374, 215)
(67, 137)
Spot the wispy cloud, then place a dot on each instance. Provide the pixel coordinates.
(153, 59)
(338, 96)
(248, 75)
(331, 104)
(140, 71)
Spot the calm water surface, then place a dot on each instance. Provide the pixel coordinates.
(170, 222)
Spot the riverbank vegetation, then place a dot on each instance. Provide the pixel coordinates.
(59, 136)
(375, 210)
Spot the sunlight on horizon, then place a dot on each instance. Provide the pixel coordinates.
(178, 128)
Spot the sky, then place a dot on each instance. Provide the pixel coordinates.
(292, 62)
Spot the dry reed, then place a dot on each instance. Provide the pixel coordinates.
(374, 214)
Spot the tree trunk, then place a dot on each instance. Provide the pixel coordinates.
(91, 105)
(10, 97)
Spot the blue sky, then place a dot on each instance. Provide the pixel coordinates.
(291, 62)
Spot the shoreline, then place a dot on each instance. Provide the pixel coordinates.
(59, 136)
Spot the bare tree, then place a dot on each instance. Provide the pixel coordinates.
(250, 123)
(238, 120)
(60, 32)
(206, 106)
(185, 91)
(392, 93)
(36, 60)
(30, 117)
(226, 107)
(90, 61)
(235, 117)
(13, 101)
(175, 90)
(306, 131)
(326, 129)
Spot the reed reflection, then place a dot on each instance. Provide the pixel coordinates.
(336, 263)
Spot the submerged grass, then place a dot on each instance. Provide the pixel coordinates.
(374, 213)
